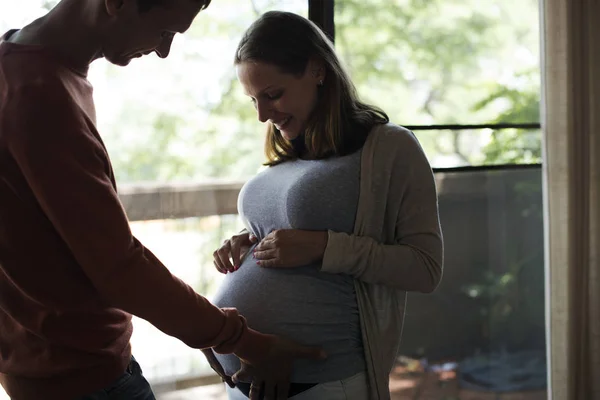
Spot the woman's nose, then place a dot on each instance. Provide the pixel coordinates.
(263, 112)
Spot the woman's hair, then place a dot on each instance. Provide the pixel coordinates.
(340, 122)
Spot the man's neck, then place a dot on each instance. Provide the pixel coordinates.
(67, 32)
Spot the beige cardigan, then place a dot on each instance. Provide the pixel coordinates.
(396, 246)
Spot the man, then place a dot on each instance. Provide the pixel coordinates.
(71, 273)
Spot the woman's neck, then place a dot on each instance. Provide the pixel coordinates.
(299, 145)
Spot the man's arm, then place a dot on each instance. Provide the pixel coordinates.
(67, 169)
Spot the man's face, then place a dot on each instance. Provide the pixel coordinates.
(131, 34)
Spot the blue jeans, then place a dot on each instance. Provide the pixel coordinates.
(130, 386)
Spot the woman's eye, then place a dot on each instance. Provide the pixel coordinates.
(274, 96)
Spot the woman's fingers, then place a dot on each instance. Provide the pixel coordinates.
(236, 248)
(218, 264)
(224, 256)
(267, 254)
(221, 258)
(265, 244)
(217, 261)
(228, 257)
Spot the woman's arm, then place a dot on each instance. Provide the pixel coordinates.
(405, 266)
(413, 260)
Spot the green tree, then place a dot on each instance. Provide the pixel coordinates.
(512, 146)
(439, 62)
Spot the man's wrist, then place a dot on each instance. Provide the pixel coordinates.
(254, 346)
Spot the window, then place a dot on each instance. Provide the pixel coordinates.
(463, 74)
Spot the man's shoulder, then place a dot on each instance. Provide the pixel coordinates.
(32, 102)
(33, 94)
(28, 68)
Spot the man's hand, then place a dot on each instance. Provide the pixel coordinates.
(275, 369)
(217, 367)
(291, 248)
(227, 258)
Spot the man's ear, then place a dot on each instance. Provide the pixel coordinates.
(115, 7)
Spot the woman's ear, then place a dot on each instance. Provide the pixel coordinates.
(317, 70)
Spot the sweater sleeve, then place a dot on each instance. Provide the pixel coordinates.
(413, 260)
(67, 169)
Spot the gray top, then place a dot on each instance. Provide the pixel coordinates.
(303, 304)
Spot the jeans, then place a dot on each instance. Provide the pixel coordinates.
(130, 386)
(355, 387)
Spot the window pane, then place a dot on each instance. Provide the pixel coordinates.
(447, 148)
(482, 333)
(444, 61)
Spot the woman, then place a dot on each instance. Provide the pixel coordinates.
(342, 223)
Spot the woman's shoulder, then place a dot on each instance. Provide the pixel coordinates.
(391, 136)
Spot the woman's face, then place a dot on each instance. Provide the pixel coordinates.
(285, 100)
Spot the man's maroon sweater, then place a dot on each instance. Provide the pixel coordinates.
(71, 272)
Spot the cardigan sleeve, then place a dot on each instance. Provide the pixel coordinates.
(413, 260)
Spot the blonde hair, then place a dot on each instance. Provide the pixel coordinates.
(340, 122)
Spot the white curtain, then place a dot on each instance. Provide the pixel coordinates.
(571, 125)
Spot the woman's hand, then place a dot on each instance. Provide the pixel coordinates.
(228, 257)
(291, 248)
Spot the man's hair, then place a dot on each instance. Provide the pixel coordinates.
(340, 122)
(147, 5)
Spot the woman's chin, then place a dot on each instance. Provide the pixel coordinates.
(287, 135)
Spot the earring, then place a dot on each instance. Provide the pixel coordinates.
(321, 82)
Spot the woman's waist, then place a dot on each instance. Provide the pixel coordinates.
(338, 365)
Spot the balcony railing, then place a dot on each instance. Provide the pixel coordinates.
(157, 201)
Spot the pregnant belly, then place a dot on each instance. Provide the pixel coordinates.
(302, 304)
